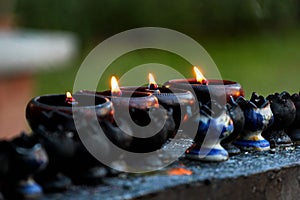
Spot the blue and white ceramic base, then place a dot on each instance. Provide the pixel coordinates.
(252, 143)
(215, 154)
(29, 189)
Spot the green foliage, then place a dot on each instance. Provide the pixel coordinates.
(102, 18)
(265, 63)
(252, 41)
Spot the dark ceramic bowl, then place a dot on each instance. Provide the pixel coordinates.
(52, 112)
(214, 90)
(139, 105)
(52, 120)
(174, 99)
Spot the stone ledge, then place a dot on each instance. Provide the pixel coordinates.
(259, 175)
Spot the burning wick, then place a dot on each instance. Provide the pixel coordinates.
(199, 76)
(70, 99)
(152, 84)
(115, 89)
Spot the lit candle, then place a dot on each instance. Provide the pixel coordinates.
(208, 89)
(152, 84)
(70, 99)
(181, 102)
(115, 89)
(199, 76)
(53, 120)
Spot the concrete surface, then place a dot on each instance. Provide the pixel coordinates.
(260, 175)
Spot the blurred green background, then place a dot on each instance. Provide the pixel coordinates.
(254, 42)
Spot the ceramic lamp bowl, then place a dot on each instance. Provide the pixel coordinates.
(174, 99)
(213, 90)
(52, 111)
(139, 105)
(132, 101)
(141, 100)
(51, 118)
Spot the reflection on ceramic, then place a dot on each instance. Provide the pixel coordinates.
(213, 127)
(258, 117)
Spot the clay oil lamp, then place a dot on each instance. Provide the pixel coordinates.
(206, 89)
(52, 120)
(55, 111)
(21, 158)
(294, 129)
(258, 117)
(181, 102)
(213, 126)
(237, 115)
(133, 110)
(284, 112)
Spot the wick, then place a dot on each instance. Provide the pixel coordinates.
(154, 88)
(71, 101)
(204, 82)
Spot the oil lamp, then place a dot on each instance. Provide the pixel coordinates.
(52, 120)
(55, 111)
(128, 100)
(133, 109)
(181, 102)
(206, 89)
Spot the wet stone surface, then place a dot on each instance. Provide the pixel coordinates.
(130, 186)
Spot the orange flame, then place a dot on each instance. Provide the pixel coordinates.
(152, 83)
(68, 95)
(199, 76)
(179, 172)
(115, 89)
(70, 99)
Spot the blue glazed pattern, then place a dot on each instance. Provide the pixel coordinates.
(253, 120)
(211, 152)
(32, 188)
(251, 143)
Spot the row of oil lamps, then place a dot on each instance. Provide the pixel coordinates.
(213, 112)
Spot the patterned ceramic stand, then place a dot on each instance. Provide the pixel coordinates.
(211, 131)
(258, 117)
(25, 157)
(294, 130)
(237, 115)
(284, 112)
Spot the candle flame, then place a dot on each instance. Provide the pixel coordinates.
(152, 83)
(115, 89)
(68, 95)
(70, 99)
(199, 76)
